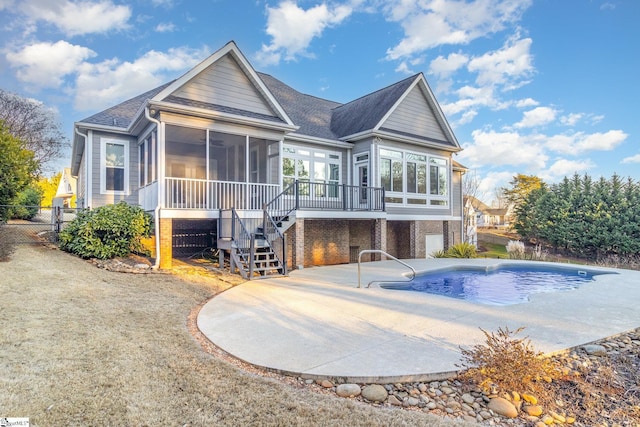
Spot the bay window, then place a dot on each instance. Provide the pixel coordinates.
(414, 179)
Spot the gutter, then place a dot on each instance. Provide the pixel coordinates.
(156, 211)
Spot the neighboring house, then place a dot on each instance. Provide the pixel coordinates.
(66, 187)
(472, 215)
(486, 216)
(262, 168)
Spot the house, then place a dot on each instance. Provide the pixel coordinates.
(485, 215)
(275, 178)
(66, 188)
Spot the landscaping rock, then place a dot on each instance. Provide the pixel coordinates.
(595, 350)
(502, 406)
(394, 400)
(468, 399)
(375, 393)
(530, 398)
(533, 410)
(326, 384)
(348, 390)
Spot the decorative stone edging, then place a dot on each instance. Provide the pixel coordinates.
(450, 398)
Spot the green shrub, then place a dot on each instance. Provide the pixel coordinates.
(462, 250)
(439, 254)
(107, 232)
(26, 204)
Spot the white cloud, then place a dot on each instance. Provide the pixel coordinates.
(473, 97)
(510, 65)
(493, 181)
(444, 67)
(571, 119)
(112, 81)
(165, 27)
(539, 116)
(77, 18)
(432, 23)
(467, 117)
(525, 103)
(46, 64)
(292, 29)
(490, 148)
(563, 167)
(631, 159)
(580, 142)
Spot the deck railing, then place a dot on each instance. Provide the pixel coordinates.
(185, 193)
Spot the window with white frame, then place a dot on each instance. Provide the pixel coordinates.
(318, 167)
(147, 160)
(414, 179)
(114, 166)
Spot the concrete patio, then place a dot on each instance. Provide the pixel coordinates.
(317, 323)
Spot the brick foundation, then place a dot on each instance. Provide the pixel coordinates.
(166, 243)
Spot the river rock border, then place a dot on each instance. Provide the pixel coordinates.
(449, 398)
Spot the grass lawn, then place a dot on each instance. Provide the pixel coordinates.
(493, 250)
(82, 346)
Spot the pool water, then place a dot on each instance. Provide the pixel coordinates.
(502, 285)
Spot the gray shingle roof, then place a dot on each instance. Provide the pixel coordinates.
(221, 108)
(122, 114)
(365, 113)
(315, 116)
(312, 114)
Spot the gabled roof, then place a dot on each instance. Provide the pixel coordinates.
(123, 114)
(303, 116)
(229, 49)
(365, 113)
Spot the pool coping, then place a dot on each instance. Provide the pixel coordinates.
(317, 324)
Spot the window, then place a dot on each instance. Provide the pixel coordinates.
(114, 166)
(412, 174)
(438, 177)
(318, 171)
(147, 160)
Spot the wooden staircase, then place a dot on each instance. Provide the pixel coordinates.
(258, 260)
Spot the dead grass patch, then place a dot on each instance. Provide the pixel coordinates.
(85, 346)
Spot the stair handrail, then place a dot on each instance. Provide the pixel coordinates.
(246, 236)
(380, 251)
(280, 198)
(269, 226)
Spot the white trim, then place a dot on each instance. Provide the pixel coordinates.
(89, 159)
(103, 166)
(204, 113)
(327, 214)
(405, 217)
(320, 141)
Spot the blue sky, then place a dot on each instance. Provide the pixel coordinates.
(542, 87)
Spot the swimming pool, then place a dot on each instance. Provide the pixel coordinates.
(497, 285)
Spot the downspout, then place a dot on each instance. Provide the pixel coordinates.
(156, 211)
(86, 177)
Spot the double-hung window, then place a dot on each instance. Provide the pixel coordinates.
(114, 166)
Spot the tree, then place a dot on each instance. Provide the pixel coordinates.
(49, 188)
(521, 186)
(471, 193)
(17, 168)
(35, 125)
